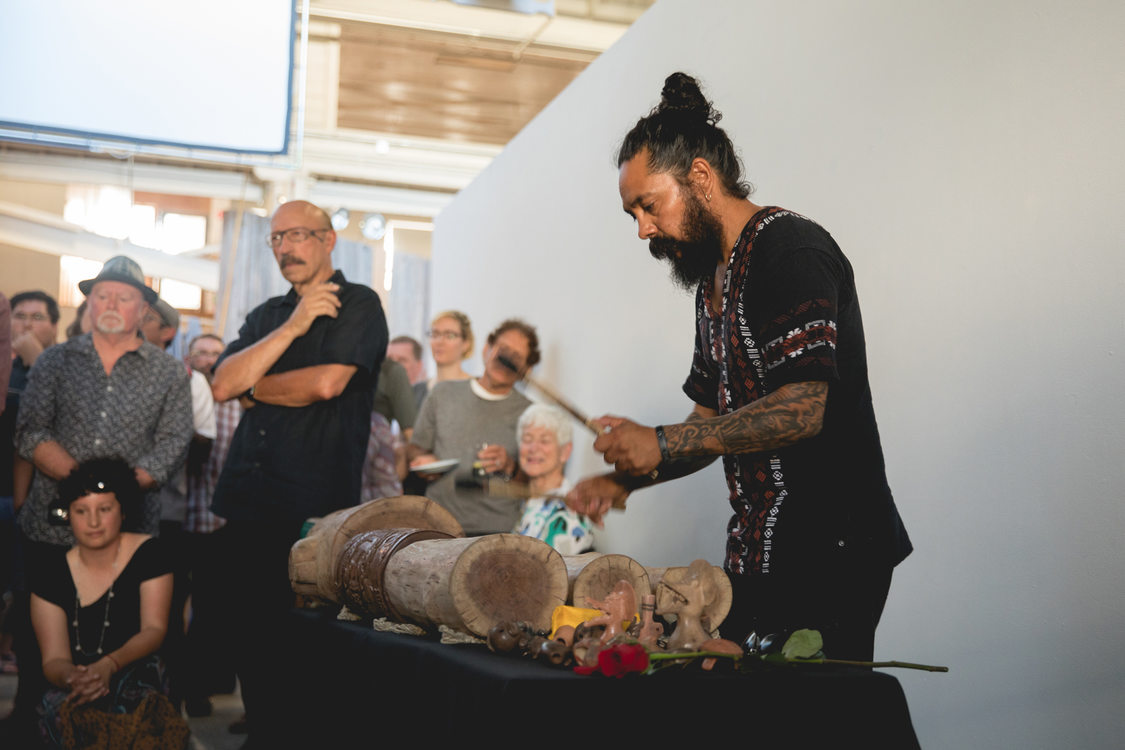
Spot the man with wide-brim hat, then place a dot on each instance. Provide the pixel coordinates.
(124, 269)
(93, 364)
(106, 393)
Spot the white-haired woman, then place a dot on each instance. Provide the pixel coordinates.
(544, 436)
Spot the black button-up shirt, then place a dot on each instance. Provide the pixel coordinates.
(291, 463)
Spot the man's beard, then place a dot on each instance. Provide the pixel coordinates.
(695, 257)
(110, 322)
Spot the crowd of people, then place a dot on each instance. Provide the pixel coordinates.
(149, 504)
(137, 490)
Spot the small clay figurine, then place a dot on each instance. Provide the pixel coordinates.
(690, 597)
(550, 651)
(618, 608)
(504, 637)
(511, 636)
(565, 635)
(719, 645)
(587, 644)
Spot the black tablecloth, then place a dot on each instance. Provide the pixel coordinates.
(342, 684)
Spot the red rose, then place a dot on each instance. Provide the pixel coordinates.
(619, 660)
(634, 658)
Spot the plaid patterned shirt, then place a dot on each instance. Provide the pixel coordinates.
(200, 487)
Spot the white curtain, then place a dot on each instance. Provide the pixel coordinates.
(408, 302)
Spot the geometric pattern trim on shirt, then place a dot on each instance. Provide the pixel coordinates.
(739, 367)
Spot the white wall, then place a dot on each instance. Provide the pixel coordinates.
(969, 158)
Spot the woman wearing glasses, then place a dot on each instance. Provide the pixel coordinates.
(451, 343)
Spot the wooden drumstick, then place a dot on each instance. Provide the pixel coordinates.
(593, 426)
(497, 487)
(551, 394)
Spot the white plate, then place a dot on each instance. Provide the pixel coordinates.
(437, 467)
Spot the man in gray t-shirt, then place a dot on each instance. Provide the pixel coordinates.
(475, 421)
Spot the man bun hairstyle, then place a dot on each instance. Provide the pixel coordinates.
(682, 128)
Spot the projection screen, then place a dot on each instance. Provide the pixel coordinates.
(209, 74)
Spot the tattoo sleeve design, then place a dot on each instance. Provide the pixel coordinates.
(669, 470)
(791, 413)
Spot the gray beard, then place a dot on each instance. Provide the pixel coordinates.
(119, 327)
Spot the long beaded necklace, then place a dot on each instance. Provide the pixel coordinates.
(105, 616)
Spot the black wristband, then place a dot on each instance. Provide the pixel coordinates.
(663, 443)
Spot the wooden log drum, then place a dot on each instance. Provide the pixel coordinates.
(313, 560)
(596, 577)
(468, 585)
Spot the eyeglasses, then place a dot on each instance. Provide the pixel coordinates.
(296, 234)
(33, 317)
(447, 335)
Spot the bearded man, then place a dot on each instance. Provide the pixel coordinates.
(108, 393)
(779, 382)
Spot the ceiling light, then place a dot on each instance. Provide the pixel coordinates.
(340, 219)
(373, 226)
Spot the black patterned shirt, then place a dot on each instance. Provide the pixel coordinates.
(140, 412)
(790, 314)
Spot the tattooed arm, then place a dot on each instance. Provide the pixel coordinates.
(594, 496)
(792, 413)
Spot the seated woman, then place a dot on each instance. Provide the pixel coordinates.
(544, 438)
(100, 612)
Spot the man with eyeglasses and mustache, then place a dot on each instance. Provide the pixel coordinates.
(305, 367)
(779, 384)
